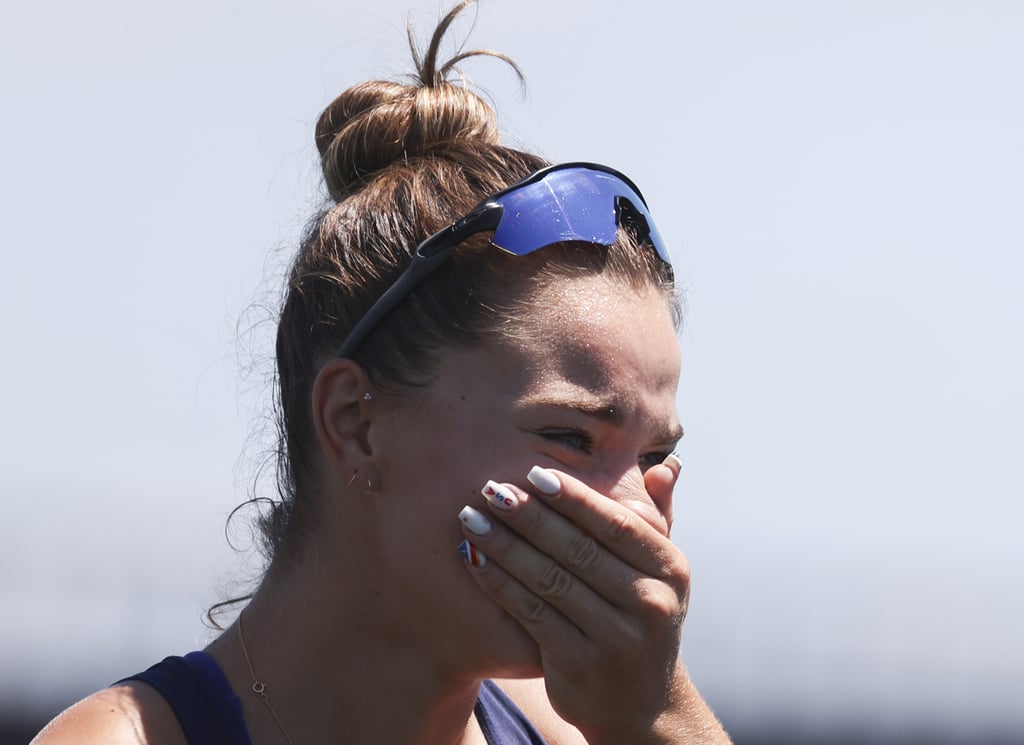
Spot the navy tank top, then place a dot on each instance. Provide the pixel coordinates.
(211, 714)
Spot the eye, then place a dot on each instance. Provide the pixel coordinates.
(653, 459)
(573, 439)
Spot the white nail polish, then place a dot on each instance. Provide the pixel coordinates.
(673, 462)
(545, 481)
(475, 521)
(500, 496)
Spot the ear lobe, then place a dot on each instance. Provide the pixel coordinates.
(340, 414)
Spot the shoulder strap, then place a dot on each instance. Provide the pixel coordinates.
(207, 709)
(501, 720)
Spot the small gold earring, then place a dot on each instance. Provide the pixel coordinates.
(369, 482)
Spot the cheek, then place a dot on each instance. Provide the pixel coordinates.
(457, 441)
(437, 465)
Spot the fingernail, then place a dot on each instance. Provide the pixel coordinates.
(673, 462)
(471, 555)
(475, 521)
(545, 481)
(500, 496)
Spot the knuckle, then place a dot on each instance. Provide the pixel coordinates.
(659, 602)
(677, 573)
(500, 580)
(532, 609)
(620, 527)
(582, 553)
(555, 582)
(628, 638)
(673, 567)
(537, 520)
(499, 583)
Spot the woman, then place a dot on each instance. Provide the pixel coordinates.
(477, 365)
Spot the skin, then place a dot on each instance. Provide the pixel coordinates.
(380, 632)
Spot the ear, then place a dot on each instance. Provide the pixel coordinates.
(341, 415)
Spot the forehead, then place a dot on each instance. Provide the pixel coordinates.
(586, 344)
(593, 335)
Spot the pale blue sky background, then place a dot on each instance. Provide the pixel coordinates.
(841, 184)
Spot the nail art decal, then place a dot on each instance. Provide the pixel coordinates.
(475, 521)
(471, 555)
(500, 496)
(545, 481)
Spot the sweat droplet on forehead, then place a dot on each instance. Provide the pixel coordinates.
(570, 312)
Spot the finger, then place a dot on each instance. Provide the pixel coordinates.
(604, 597)
(567, 617)
(660, 482)
(559, 561)
(617, 528)
(548, 625)
(544, 539)
(563, 615)
(577, 594)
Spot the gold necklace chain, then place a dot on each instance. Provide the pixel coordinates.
(260, 689)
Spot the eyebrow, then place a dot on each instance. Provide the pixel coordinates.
(606, 411)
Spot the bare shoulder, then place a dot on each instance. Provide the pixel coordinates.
(129, 714)
(530, 695)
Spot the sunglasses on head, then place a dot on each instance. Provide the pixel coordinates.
(568, 202)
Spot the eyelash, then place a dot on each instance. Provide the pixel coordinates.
(582, 442)
(574, 439)
(653, 459)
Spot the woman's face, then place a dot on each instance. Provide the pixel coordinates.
(588, 387)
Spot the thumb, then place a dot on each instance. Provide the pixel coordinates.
(660, 480)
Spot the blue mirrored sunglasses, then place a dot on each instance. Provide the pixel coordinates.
(568, 202)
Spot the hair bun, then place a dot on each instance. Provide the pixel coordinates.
(375, 124)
